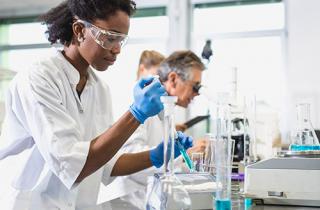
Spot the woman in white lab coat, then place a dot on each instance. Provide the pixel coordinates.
(180, 74)
(59, 114)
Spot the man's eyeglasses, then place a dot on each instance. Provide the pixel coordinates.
(106, 39)
(196, 87)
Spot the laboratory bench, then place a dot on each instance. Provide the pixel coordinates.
(118, 204)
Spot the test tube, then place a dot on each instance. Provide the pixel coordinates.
(186, 157)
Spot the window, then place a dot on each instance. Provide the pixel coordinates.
(248, 37)
(22, 44)
(26, 33)
(238, 18)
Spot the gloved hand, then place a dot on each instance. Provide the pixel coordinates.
(147, 102)
(156, 154)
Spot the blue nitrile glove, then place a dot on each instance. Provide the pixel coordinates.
(156, 154)
(147, 93)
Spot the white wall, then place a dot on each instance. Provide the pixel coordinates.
(303, 48)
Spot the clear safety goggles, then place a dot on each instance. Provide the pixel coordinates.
(106, 39)
(196, 87)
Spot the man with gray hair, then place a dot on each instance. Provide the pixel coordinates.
(180, 74)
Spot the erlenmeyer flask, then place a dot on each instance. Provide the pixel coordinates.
(306, 138)
(168, 192)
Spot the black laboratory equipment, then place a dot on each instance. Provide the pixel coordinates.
(207, 51)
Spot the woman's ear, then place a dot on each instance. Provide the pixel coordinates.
(78, 31)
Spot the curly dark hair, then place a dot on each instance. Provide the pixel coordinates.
(59, 19)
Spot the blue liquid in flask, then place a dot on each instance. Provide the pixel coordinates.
(297, 147)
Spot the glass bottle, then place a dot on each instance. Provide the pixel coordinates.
(168, 192)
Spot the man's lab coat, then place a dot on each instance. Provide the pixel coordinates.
(52, 127)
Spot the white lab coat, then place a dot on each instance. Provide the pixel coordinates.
(133, 188)
(48, 123)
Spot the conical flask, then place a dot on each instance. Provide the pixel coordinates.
(168, 192)
(305, 138)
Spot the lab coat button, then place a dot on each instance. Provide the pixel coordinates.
(81, 110)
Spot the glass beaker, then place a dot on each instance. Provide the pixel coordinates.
(168, 192)
(209, 165)
(306, 138)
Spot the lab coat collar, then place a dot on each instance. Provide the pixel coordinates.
(92, 79)
(72, 73)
